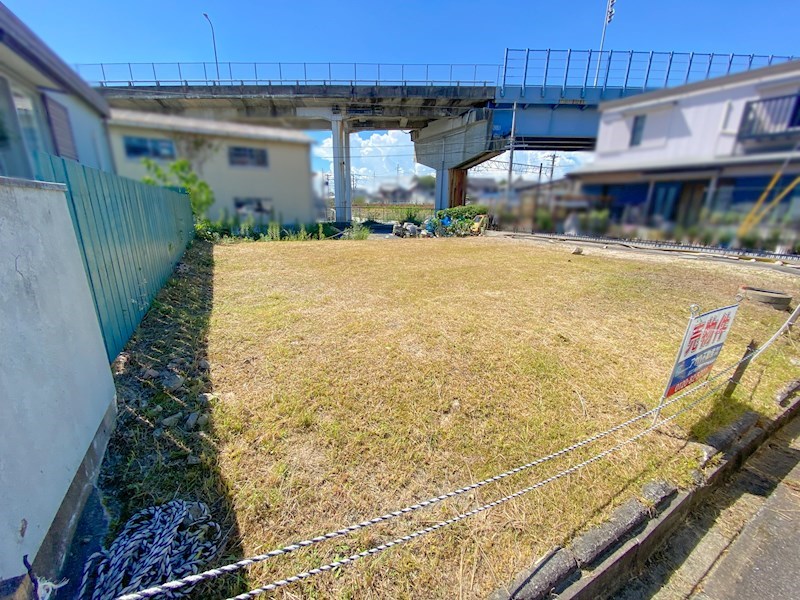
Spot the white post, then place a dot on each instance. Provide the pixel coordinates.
(694, 311)
(341, 159)
(442, 190)
(348, 185)
(511, 154)
(442, 199)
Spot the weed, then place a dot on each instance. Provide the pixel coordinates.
(357, 231)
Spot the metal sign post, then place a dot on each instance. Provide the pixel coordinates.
(702, 343)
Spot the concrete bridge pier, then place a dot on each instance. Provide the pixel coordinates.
(442, 189)
(342, 185)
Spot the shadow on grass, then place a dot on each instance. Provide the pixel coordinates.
(150, 461)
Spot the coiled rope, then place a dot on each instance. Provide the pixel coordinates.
(159, 543)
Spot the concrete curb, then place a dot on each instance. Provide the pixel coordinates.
(598, 561)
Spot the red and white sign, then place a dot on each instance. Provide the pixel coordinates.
(700, 348)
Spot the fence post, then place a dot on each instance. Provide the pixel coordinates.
(793, 318)
(740, 369)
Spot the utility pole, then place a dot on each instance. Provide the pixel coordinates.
(553, 157)
(609, 16)
(536, 197)
(511, 154)
(213, 41)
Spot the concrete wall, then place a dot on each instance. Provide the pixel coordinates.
(448, 143)
(286, 181)
(55, 382)
(696, 126)
(89, 132)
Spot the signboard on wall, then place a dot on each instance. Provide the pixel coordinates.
(702, 343)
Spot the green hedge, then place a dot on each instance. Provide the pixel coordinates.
(470, 211)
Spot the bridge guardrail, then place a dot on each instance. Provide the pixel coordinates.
(527, 68)
(301, 73)
(524, 68)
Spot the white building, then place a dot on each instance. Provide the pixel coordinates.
(45, 106)
(709, 148)
(254, 171)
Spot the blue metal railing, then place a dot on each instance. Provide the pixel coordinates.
(625, 70)
(771, 118)
(300, 73)
(524, 68)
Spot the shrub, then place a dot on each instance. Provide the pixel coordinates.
(544, 221)
(412, 216)
(357, 231)
(469, 212)
(180, 173)
(460, 227)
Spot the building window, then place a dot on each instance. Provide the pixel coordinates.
(637, 130)
(259, 208)
(239, 156)
(28, 119)
(139, 147)
(794, 120)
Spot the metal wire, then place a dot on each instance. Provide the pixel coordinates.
(233, 567)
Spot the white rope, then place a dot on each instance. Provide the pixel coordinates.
(157, 543)
(421, 532)
(236, 566)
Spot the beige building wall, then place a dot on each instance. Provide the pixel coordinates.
(286, 181)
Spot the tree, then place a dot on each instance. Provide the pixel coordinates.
(180, 174)
(427, 182)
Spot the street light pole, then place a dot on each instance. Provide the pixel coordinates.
(607, 18)
(214, 41)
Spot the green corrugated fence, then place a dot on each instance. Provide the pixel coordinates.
(131, 236)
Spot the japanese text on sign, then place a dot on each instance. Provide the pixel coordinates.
(701, 346)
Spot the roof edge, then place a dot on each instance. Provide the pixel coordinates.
(24, 42)
(714, 82)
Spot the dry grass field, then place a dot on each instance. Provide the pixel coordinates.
(355, 378)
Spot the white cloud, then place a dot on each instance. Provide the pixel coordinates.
(377, 158)
(382, 157)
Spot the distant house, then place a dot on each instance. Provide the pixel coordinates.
(677, 156)
(482, 188)
(391, 193)
(422, 194)
(559, 197)
(254, 171)
(45, 106)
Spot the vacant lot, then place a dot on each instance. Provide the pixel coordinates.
(354, 378)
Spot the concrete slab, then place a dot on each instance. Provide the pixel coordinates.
(764, 562)
(742, 542)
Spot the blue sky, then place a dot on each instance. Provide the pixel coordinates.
(411, 31)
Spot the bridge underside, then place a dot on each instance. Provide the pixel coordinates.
(307, 106)
(453, 127)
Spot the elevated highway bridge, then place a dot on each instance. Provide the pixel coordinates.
(459, 115)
